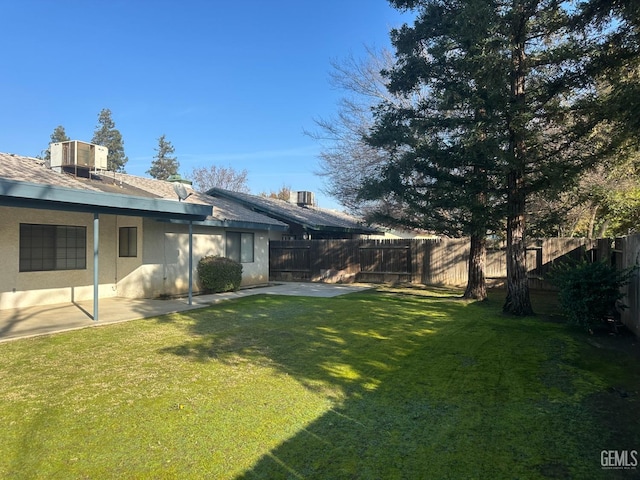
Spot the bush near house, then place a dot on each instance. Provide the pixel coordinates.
(219, 274)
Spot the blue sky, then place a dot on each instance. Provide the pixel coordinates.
(229, 83)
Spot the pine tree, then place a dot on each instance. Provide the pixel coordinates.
(164, 165)
(58, 135)
(615, 60)
(108, 136)
(444, 150)
(546, 127)
(500, 122)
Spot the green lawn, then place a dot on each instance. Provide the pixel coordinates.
(383, 384)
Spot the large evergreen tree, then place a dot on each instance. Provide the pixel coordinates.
(107, 135)
(58, 135)
(503, 78)
(614, 30)
(164, 164)
(547, 125)
(444, 150)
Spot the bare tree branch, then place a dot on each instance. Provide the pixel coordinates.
(205, 178)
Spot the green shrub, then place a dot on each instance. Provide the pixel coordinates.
(589, 291)
(219, 274)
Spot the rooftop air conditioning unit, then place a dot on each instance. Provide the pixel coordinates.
(75, 153)
(305, 199)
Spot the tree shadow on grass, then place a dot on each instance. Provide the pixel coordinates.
(420, 388)
(343, 342)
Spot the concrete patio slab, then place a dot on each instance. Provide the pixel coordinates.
(47, 319)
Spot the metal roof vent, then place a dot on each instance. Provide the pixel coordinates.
(177, 178)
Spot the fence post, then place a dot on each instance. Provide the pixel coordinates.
(415, 264)
(315, 259)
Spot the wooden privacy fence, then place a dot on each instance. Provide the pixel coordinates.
(625, 254)
(431, 262)
(443, 262)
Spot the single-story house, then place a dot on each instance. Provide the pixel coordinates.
(80, 234)
(304, 219)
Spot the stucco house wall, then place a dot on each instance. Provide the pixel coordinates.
(163, 259)
(24, 289)
(32, 193)
(163, 267)
(159, 269)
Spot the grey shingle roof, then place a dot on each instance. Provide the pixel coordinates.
(223, 209)
(225, 212)
(308, 216)
(28, 169)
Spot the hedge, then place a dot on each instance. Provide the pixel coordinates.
(219, 274)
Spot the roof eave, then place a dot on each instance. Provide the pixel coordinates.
(32, 195)
(288, 218)
(240, 224)
(324, 228)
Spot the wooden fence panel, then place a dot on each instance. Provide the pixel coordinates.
(385, 258)
(289, 261)
(432, 262)
(496, 266)
(543, 254)
(443, 262)
(384, 261)
(337, 260)
(627, 254)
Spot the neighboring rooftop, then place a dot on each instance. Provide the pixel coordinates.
(309, 217)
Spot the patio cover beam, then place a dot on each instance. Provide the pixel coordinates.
(33, 195)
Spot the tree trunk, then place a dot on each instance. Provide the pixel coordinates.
(518, 301)
(476, 283)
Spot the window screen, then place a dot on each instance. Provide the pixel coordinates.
(240, 247)
(128, 241)
(52, 247)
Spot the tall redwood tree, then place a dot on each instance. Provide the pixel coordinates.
(502, 119)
